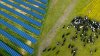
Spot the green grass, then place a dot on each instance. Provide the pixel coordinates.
(4, 53)
(53, 14)
(76, 12)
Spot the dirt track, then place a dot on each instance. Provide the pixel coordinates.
(52, 33)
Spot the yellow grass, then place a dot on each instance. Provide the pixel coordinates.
(92, 10)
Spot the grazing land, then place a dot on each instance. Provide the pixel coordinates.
(53, 36)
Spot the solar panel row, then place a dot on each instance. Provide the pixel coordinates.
(21, 15)
(21, 23)
(23, 9)
(16, 41)
(23, 34)
(37, 3)
(8, 49)
(30, 6)
(44, 1)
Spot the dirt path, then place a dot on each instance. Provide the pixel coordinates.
(52, 33)
(53, 3)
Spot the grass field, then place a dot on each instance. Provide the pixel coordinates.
(92, 10)
(54, 12)
(81, 9)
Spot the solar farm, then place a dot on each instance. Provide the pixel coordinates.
(20, 26)
(49, 27)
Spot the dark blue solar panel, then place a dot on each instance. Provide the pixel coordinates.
(21, 23)
(37, 3)
(15, 40)
(44, 1)
(8, 49)
(23, 34)
(21, 15)
(30, 6)
(23, 9)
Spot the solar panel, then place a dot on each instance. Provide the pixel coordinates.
(23, 9)
(21, 15)
(8, 49)
(21, 23)
(18, 42)
(44, 1)
(30, 6)
(37, 3)
(23, 34)
(26, 36)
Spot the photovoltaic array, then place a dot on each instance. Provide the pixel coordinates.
(20, 25)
